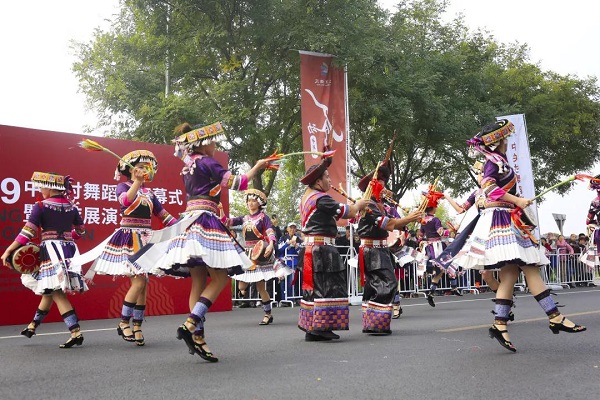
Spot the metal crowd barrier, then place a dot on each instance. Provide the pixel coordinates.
(564, 270)
(568, 271)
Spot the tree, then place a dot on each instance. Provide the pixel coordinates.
(437, 84)
(434, 83)
(163, 63)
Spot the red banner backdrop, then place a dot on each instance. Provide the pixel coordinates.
(323, 103)
(23, 151)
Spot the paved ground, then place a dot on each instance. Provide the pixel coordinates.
(438, 353)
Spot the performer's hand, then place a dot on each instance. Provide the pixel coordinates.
(361, 204)
(590, 230)
(4, 258)
(269, 250)
(262, 164)
(415, 216)
(138, 174)
(523, 203)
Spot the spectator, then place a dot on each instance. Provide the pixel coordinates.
(289, 245)
(583, 242)
(546, 245)
(276, 227)
(548, 253)
(562, 249)
(574, 242)
(343, 240)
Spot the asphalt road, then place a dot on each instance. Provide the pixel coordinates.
(438, 353)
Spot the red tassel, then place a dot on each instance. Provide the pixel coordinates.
(361, 265)
(307, 269)
(377, 189)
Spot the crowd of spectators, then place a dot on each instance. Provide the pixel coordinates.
(564, 254)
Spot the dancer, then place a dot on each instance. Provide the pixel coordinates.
(476, 196)
(496, 242)
(396, 241)
(477, 199)
(590, 256)
(375, 258)
(58, 222)
(138, 204)
(257, 227)
(432, 246)
(289, 246)
(324, 304)
(200, 244)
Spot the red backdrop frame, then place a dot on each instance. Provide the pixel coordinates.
(25, 150)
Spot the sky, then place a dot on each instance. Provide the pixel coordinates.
(39, 90)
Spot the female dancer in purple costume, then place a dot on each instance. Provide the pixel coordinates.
(474, 197)
(590, 256)
(59, 222)
(257, 226)
(203, 243)
(138, 204)
(495, 243)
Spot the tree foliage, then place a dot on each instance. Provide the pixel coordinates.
(432, 82)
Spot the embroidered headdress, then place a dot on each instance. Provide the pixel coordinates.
(47, 180)
(257, 195)
(491, 135)
(486, 141)
(199, 135)
(134, 157)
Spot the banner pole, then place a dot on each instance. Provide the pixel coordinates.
(347, 116)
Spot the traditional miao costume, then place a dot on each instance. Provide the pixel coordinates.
(59, 223)
(495, 240)
(590, 256)
(431, 226)
(111, 257)
(434, 245)
(257, 227)
(135, 227)
(324, 306)
(199, 238)
(403, 256)
(376, 262)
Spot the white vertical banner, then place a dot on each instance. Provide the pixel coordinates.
(519, 158)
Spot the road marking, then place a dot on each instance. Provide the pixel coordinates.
(521, 321)
(517, 296)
